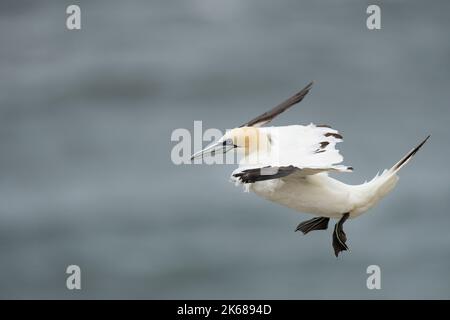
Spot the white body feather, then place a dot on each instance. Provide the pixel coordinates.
(298, 146)
(310, 189)
(324, 196)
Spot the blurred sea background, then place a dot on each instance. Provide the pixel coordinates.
(86, 119)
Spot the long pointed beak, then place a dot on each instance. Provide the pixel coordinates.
(211, 150)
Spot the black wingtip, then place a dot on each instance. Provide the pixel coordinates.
(414, 151)
(411, 153)
(268, 116)
(308, 87)
(300, 95)
(310, 84)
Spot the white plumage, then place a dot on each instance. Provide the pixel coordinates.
(305, 147)
(289, 165)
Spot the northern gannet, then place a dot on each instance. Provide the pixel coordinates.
(289, 165)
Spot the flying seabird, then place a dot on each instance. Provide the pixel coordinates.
(289, 165)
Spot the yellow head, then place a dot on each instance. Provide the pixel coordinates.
(246, 140)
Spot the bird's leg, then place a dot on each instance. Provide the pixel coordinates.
(320, 223)
(339, 237)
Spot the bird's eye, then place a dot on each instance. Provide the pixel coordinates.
(228, 142)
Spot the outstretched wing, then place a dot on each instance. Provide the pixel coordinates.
(266, 117)
(270, 173)
(303, 150)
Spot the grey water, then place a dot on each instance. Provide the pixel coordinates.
(86, 118)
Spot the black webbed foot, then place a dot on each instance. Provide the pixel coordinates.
(339, 236)
(319, 223)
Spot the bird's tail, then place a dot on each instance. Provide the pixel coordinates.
(370, 193)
